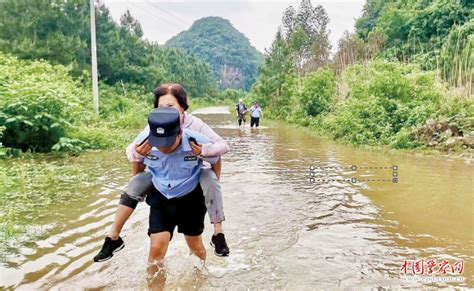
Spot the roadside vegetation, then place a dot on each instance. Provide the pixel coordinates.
(402, 80)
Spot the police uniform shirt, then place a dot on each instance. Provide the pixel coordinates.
(176, 174)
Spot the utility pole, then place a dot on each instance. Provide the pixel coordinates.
(95, 82)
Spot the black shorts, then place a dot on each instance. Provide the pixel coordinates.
(254, 121)
(186, 212)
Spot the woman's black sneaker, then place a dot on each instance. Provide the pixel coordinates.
(109, 248)
(220, 246)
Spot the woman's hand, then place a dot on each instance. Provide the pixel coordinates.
(143, 149)
(196, 148)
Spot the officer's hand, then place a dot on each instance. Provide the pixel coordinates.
(144, 149)
(196, 148)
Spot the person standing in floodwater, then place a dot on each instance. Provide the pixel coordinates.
(139, 186)
(176, 198)
(241, 111)
(255, 114)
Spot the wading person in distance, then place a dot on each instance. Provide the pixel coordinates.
(241, 111)
(255, 114)
(171, 95)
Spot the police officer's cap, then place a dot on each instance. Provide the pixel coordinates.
(164, 126)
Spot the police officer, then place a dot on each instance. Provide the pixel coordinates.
(177, 199)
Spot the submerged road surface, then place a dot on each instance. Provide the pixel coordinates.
(302, 213)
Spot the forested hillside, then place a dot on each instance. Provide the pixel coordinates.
(404, 79)
(229, 53)
(45, 87)
(59, 32)
(437, 35)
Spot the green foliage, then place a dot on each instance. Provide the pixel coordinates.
(306, 33)
(217, 42)
(70, 145)
(433, 34)
(49, 30)
(370, 14)
(131, 24)
(122, 104)
(59, 32)
(318, 91)
(46, 105)
(404, 139)
(231, 94)
(187, 70)
(37, 103)
(457, 55)
(104, 136)
(385, 102)
(286, 101)
(387, 84)
(278, 65)
(43, 108)
(299, 48)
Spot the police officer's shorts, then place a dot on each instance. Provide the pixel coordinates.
(186, 212)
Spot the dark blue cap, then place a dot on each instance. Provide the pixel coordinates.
(164, 126)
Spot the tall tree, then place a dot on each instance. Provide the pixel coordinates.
(289, 21)
(59, 32)
(278, 64)
(131, 24)
(309, 37)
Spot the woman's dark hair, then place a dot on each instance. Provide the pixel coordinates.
(174, 89)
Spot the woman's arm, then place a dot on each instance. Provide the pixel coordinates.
(138, 167)
(217, 169)
(134, 151)
(218, 147)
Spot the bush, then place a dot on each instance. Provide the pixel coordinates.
(37, 101)
(231, 94)
(69, 145)
(44, 109)
(456, 56)
(318, 92)
(285, 104)
(124, 106)
(385, 102)
(404, 139)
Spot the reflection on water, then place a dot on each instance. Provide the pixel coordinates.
(284, 231)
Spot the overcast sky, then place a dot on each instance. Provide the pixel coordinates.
(258, 19)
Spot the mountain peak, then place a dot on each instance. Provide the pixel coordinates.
(229, 52)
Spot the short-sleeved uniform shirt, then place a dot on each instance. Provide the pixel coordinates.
(176, 174)
(177, 198)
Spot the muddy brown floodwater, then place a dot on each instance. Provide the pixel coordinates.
(302, 213)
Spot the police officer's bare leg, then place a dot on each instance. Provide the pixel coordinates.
(159, 243)
(196, 246)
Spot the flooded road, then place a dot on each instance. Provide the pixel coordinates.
(302, 213)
